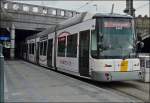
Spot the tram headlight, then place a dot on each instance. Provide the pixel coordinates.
(140, 75)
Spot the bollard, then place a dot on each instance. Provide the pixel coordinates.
(1, 76)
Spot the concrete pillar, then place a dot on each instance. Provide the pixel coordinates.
(12, 48)
(129, 8)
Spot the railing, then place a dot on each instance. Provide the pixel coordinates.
(1, 76)
(35, 9)
(145, 66)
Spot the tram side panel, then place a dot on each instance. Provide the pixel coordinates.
(37, 47)
(67, 57)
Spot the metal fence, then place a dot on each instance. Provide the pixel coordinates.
(1, 75)
(145, 66)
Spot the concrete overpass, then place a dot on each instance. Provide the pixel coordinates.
(20, 20)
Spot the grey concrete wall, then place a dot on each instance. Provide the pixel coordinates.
(25, 16)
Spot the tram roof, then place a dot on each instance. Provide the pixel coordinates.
(75, 20)
(112, 15)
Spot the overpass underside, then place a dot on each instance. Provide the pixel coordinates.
(19, 20)
(5, 39)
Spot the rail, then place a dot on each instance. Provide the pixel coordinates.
(1, 75)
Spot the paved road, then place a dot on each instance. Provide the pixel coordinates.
(26, 82)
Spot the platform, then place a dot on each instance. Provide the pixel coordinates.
(26, 82)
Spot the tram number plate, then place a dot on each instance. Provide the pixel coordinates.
(124, 66)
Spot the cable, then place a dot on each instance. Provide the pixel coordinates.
(82, 6)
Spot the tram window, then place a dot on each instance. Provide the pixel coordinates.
(45, 46)
(72, 45)
(25, 8)
(147, 63)
(32, 48)
(26, 48)
(94, 43)
(41, 47)
(29, 49)
(61, 46)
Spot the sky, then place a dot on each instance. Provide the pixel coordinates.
(103, 6)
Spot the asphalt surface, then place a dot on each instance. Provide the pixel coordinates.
(26, 82)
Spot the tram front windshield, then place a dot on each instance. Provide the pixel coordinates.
(114, 37)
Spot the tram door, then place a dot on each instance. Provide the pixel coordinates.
(84, 53)
(49, 52)
(37, 53)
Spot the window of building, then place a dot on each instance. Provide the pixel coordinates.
(26, 48)
(45, 48)
(6, 5)
(62, 13)
(72, 45)
(44, 11)
(29, 48)
(35, 9)
(70, 14)
(15, 6)
(61, 46)
(147, 63)
(54, 12)
(25, 8)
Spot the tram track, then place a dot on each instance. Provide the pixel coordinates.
(122, 87)
(127, 89)
(130, 94)
(114, 86)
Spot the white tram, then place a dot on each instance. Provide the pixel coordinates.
(101, 47)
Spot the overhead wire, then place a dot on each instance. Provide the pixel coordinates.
(87, 3)
(142, 6)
